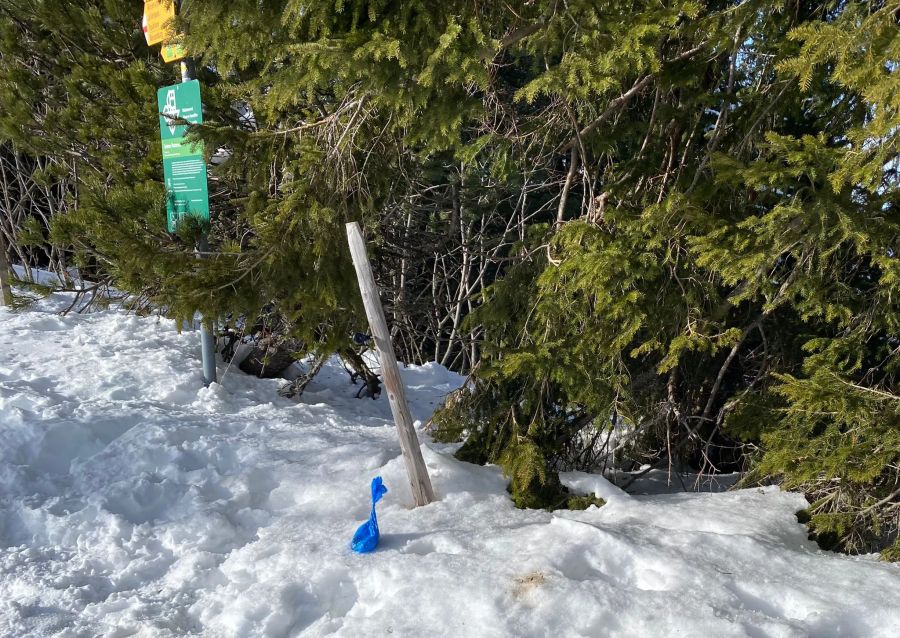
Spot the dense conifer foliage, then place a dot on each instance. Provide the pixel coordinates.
(658, 234)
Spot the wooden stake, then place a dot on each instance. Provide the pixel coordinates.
(6, 298)
(390, 372)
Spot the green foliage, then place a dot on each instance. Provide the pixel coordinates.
(584, 502)
(78, 85)
(891, 553)
(728, 291)
(525, 464)
(518, 449)
(838, 442)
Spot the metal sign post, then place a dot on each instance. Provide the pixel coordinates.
(184, 166)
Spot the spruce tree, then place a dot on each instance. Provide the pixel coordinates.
(734, 282)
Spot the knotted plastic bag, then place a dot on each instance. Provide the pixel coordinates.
(366, 537)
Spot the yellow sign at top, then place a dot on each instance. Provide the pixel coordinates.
(172, 52)
(158, 17)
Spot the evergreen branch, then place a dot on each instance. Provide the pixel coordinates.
(880, 393)
(511, 38)
(623, 99)
(613, 106)
(724, 368)
(576, 426)
(887, 499)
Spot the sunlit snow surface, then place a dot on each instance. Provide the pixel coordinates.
(134, 503)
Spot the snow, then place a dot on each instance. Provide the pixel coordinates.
(44, 277)
(134, 502)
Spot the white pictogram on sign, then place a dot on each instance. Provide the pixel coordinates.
(171, 110)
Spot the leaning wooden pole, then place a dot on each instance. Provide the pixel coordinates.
(390, 371)
(6, 297)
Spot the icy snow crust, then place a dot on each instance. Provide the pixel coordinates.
(134, 503)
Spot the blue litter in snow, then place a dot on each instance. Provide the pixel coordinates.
(366, 537)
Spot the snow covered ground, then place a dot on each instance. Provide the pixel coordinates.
(135, 503)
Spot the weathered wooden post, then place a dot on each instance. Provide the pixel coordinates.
(390, 372)
(5, 289)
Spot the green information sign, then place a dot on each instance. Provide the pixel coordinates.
(183, 163)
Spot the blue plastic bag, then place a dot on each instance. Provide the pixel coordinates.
(366, 537)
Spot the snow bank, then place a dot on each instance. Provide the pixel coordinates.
(41, 276)
(134, 503)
